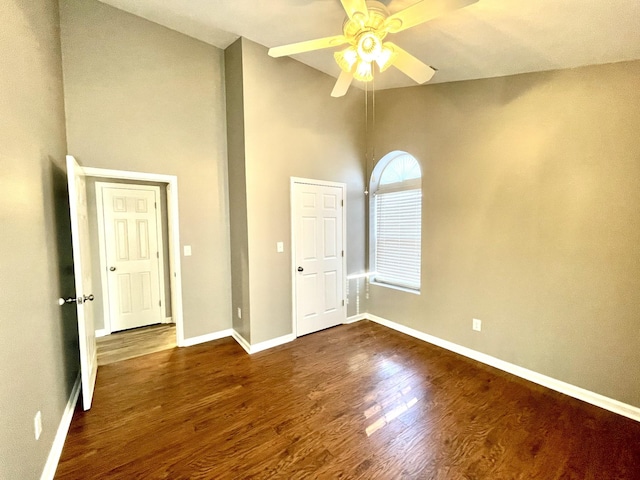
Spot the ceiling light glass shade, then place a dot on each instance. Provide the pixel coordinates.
(363, 72)
(346, 59)
(369, 47)
(386, 57)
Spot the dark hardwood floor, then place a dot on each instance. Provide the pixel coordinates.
(355, 401)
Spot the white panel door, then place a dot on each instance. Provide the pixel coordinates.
(319, 255)
(82, 274)
(133, 257)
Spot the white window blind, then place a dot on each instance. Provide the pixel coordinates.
(398, 217)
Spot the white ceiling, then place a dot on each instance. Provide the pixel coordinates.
(491, 38)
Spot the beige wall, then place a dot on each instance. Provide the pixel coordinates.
(38, 345)
(293, 127)
(234, 82)
(144, 98)
(531, 220)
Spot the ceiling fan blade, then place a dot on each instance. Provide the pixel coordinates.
(307, 46)
(354, 6)
(342, 85)
(423, 11)
(410, 65)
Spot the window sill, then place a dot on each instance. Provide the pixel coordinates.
(395, 287)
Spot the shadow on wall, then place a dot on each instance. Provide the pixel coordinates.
(501, 91)
(68, 315)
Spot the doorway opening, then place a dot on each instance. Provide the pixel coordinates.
(143, 284)
(133, 261)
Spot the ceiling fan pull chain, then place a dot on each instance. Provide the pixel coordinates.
(373, 122)
(366, 137)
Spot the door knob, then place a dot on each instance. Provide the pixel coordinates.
(300, 269)
(88, 298)
(112, 269)
(62, 301)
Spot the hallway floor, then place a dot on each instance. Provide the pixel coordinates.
(135, 342)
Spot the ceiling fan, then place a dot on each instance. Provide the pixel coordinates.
(367, 24)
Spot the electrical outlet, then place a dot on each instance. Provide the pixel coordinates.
(37, 424)
(239, 312)
(477, 325)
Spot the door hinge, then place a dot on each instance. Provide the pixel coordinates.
(342, 203)
(343, 253)
(159, 303)
(343, 303)
(155, 205)
(157, 254)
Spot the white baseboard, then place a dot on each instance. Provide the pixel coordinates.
(259, 347)
(61, 435)
(241, 341)
(274, 342)
(355, 318)
(168, 320)
(588, 396)
(189, 342)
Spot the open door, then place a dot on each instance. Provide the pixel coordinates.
(82, 274)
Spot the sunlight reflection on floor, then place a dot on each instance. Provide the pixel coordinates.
(390, 416)
(388, 409)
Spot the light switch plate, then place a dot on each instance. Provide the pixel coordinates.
(187, 250)
(477, 325)
(280, 247)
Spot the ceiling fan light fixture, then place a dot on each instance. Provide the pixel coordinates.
(364, 71)
(346, 58)
(386, 57)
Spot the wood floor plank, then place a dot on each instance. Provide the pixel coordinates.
(357, 401)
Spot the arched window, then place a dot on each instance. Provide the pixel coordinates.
(396, 221)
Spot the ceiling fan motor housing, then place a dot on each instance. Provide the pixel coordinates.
(359, 25)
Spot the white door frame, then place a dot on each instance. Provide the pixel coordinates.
(174, 233)
(321, 183)
(102, 241)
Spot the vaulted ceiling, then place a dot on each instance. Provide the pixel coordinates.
(488, 39)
